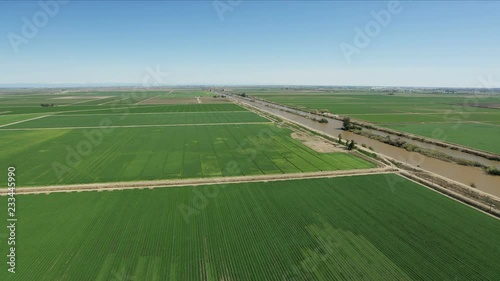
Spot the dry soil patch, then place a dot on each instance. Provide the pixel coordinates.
(317, 143)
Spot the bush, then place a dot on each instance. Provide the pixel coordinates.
(493, 171)
(370, 154)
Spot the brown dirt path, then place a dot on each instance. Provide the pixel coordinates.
(194, 181)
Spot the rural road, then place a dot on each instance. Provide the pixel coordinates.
(195, 181)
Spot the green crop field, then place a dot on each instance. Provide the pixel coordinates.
(480, 135)
(134, 119)
(177, 93)
(346, 228)
(411, 113)
(119, 108)
(157, 108)
(90, 98)
(128, 142)
(59, 156)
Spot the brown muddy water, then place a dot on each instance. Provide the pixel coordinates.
(464, 174)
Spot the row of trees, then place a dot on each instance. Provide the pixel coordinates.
(350, 144)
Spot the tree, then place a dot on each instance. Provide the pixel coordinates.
(323, 120)
(340, 138)
(351, 145)
(346, 124)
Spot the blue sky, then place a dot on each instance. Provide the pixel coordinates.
(426, 44)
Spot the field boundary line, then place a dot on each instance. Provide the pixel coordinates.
(197, 181)
(17, 122)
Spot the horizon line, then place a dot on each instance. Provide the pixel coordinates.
(138, 85)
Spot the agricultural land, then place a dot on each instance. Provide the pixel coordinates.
(467, 120)
(125, 141)
(188, 184)
(377, 227)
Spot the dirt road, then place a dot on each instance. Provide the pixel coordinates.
(25, 120)
(195, 181)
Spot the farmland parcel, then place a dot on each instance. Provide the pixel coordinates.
(458, 118)
(100, 144)
(379, 227)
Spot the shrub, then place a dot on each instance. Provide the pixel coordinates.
(493, 171)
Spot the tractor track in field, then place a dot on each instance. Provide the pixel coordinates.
(195, 181)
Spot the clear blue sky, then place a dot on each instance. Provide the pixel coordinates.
(427, 44)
